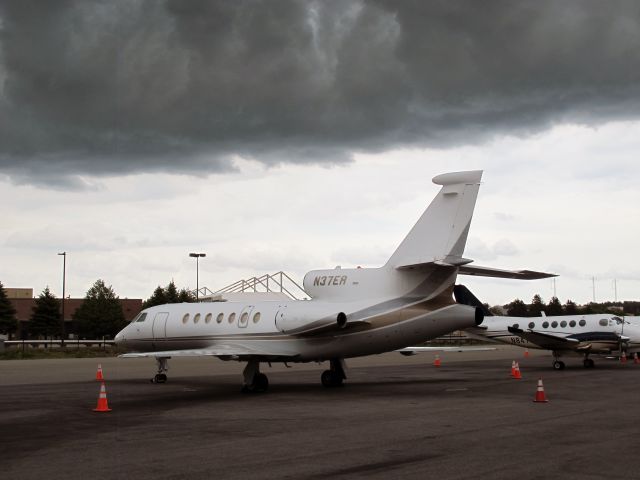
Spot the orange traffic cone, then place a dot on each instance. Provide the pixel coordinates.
(636, 360)
(540, 397)
(437, 362)
(526, 353)
(517, 374)
(513, 368)
(623, 357)
(99, 376)
(102, 406)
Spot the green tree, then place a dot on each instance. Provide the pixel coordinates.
(158, 298)
(570, 308)
(171, 293)
(100, 314)
(537, 306)
(185, 296)
(554, 307)
(45, 319)
(517, 308)
(8, 320)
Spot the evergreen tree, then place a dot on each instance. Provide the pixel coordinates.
(46, 317)
(537, 306)
(570, 308)
(8, 320)
(171, 293)
(158, 298)
(554, 307)
(100, 314)
(517, 308)
(185, 296)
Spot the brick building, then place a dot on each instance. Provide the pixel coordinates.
(23, 301)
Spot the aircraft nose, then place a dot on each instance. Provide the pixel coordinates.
(119, 338)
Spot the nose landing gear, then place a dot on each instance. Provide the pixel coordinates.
(161, 377)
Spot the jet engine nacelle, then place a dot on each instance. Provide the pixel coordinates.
(291, 322)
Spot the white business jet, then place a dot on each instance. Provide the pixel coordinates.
(352, 312)
(564, 335)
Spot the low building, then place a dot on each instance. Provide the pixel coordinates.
(24, 308)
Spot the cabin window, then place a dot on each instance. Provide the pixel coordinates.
(563, 323)
(572, 323)
(554, 324)
(208, 318)
(220, 317)
(141, 318)
(196, 319)
(516, 325)
(244, 318)
(532, 325)
(232, 317)
(185, 319)
(545, 324)
(582, 322)
(256, 317)
(603, 322)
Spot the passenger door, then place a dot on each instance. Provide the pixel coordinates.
(159, 327)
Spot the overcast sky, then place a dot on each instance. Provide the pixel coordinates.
(304, 134)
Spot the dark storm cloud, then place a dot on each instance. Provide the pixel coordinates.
(94, 87)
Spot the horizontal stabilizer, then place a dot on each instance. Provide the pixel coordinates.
(498, 273)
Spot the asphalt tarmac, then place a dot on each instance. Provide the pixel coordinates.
(396, 417)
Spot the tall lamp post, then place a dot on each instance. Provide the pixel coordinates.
(64, 278)
(197, 257)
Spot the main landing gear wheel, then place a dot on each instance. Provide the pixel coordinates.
(335, 375)
(558, 365)
(260, 384)
(331, 379)
(254, 381)
(588, 363)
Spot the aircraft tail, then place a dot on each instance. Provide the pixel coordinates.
(464, 297)
(440, 235)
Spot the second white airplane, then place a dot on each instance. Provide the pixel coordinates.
(353, 312)
(563, 335)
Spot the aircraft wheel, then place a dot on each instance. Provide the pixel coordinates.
(558, 365)
(330, 378)
(588, 363)
(159, 378)
(260, 383)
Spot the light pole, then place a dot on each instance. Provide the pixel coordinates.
(197, 257)
(64, 278)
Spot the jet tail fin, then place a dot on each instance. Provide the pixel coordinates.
(440, 235)
(464, 296)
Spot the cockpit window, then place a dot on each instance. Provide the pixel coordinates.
(141, 317)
